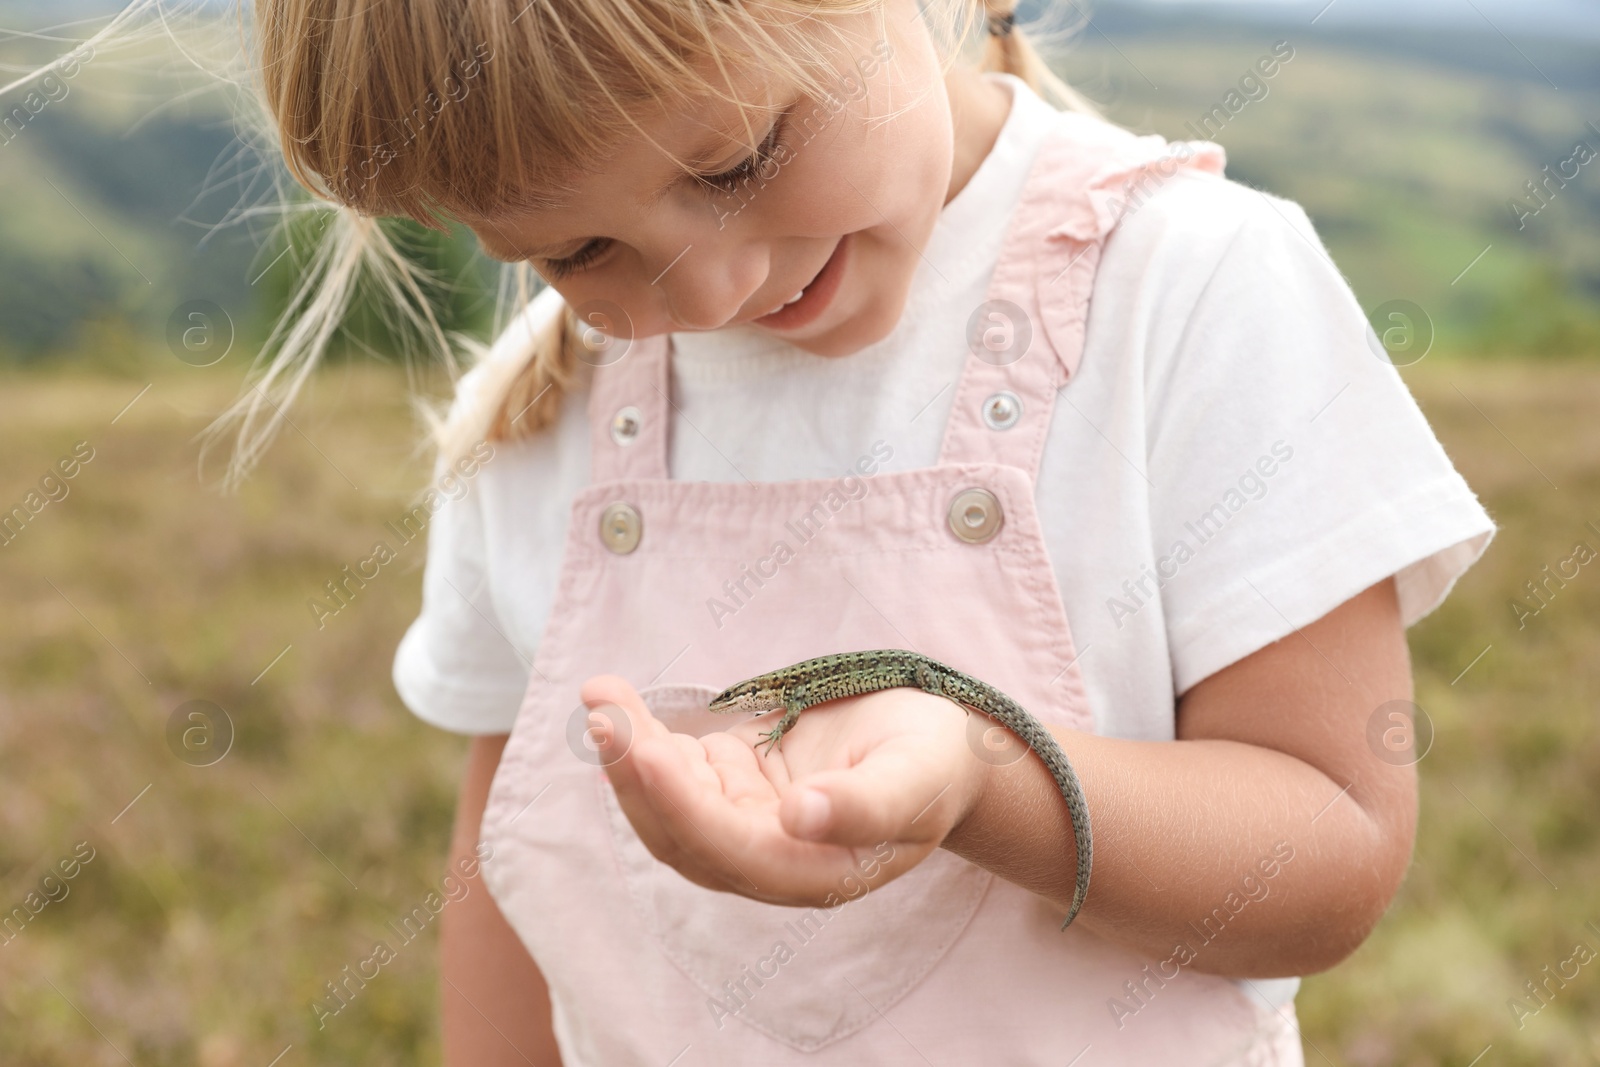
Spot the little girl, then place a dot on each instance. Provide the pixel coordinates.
(847, 345)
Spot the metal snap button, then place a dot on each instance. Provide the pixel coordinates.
(625, 425)
(1002, 410)
(975, 515)
(620, 528)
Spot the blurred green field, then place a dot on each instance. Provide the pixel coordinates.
(218, 904)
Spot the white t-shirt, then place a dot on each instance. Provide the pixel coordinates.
(1230, 462)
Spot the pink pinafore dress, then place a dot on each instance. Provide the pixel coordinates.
(948, 964)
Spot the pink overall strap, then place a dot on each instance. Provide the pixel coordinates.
(1025, 341)
(629, 412)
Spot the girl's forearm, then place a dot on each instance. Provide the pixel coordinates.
(1267, 840)
(1250, 858)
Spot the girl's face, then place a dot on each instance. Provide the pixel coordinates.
(835, 205)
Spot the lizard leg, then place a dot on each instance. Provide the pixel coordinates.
(793, 706)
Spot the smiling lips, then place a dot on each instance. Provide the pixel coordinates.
(810, 302)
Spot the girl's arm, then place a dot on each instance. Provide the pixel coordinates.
(496, 1003)
(1272, 760)
(1265, 841)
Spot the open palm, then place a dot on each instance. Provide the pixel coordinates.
(786, 826)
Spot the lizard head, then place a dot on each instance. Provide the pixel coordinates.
(755, 696)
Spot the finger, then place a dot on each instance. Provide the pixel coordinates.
(701, 824)
(639, 753)
(744, 842)
(895, 793)
(747, 776)
(618, 716)
(621, 726)
(677, 761)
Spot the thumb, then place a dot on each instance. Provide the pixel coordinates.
(894, 794)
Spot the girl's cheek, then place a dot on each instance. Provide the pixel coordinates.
(903, 154)
(821, 203)
(851, 178)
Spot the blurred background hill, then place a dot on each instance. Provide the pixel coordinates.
(143, 183)
(1409, 131)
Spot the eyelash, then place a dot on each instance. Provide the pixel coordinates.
(562, 268)
(765, 153)
(728, 181)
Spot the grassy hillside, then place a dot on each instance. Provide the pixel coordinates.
(105, 203)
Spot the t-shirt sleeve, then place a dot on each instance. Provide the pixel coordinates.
(455, 667)
(1289, 466)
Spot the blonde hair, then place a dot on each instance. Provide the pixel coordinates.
(440, 110)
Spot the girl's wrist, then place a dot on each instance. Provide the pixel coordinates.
(1013, 820)
(975, 785)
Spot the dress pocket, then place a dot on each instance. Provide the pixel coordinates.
(804, 976)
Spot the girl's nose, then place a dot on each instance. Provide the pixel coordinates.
(709, 283)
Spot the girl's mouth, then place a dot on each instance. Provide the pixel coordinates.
(810, 302)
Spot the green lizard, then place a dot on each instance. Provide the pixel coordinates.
(816, 681)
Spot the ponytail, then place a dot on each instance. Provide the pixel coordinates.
(524, 377)
(1007, 51)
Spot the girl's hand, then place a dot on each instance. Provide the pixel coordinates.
(787, 828)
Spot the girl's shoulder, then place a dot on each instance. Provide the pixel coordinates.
(1170, 198)
(1196, 236)
(1203, 215)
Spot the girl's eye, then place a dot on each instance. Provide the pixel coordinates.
(728, 181)
(752, 165)
(562, 268)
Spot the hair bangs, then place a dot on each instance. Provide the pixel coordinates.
(463, 110)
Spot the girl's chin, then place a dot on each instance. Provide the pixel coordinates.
(857, 328)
